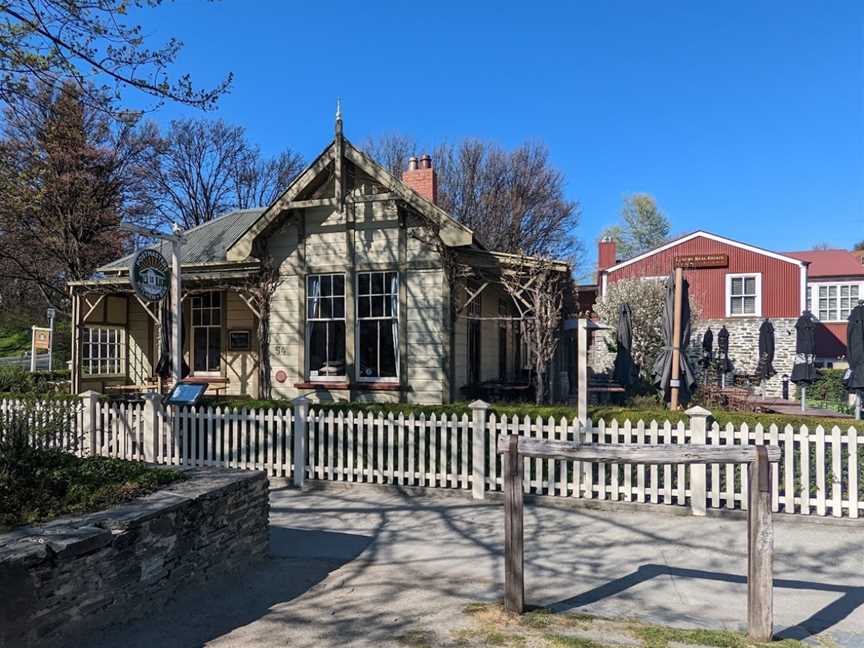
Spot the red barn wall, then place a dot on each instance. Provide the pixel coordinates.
(781, 280)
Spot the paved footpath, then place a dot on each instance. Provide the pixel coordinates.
(363, 567)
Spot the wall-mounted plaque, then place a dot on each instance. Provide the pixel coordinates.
(699, 261)
(240, 340)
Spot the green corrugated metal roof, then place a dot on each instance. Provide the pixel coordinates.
(206, 243)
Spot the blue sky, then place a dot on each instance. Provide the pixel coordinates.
(743, 118)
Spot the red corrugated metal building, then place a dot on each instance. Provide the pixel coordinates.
(748, 281)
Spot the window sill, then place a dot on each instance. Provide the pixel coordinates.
(344, 386)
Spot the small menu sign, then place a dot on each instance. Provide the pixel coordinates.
(697, 261)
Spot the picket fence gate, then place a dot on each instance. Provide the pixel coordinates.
(821, 471)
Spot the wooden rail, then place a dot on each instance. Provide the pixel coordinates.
(760, 528)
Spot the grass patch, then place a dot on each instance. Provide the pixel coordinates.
(490, 625)
(14, 340)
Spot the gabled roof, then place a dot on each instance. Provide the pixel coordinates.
(831, 263)
(453, 233)
(708, 235)
(205, 244)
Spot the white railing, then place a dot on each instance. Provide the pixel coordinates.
(819, 473)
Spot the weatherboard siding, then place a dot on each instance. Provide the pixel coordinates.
(781, 280)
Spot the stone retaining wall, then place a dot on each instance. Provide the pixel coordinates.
(76, 575)
(743, 347)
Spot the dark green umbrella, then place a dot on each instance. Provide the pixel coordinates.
(804, 367)
(625, 370)
(765, 368)
(855, 355)
(663, 365)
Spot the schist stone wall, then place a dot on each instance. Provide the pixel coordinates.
(77, 575)
(743, 348)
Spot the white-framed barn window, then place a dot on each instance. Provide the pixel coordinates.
(207, 333)
(103, 351)
(325, 326)
(744, 295)
(834, 301)
(378, 326)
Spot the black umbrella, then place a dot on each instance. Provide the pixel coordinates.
(855, 351)
(707, 347)
(804, 368)
(625, 369)
(765, 368)
(163, 367)
(663, 365)
(724, 365)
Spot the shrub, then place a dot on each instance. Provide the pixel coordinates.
(17, 380)
(829, 387)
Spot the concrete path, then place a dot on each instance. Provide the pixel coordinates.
(362, 567)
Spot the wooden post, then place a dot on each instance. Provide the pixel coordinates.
(676, 340)
(32, 349)
(582, 372)
(301, 414)
(152, 409)
(479, 410)
(88, 420)
(698, 472)
(177, 310)
(760, 551)
(514, 558)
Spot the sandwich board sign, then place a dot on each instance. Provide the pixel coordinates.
(150, 275)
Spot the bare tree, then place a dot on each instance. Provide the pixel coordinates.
(538, 289)
(512, 200)
(91, 46)
(259, 292)
(203, 168)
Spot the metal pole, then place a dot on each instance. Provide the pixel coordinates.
(858, 406)
(50, 341)
(804, 398)
(176, 308)
(676, 340)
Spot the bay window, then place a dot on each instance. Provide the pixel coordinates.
(325, 326)
(102, 350)
(377, 326)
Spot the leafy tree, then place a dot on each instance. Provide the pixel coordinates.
(70, 176)
(646, 301)
(89, 45)
(643, 226)
(513, 200)
(203, 168)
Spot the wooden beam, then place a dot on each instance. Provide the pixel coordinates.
(760, 551)
(377, 197)
(313, 202)
(248, 302)
(675, 380)
(514, 555)
(472, 296)
(92, 307)
(146, 308)
(637, 453)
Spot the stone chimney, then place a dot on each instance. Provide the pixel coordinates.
(421, 177)
(606, 253)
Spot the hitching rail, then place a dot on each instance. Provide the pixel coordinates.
(760, 526)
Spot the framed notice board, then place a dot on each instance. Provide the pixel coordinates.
(186, 393)
(240, 340)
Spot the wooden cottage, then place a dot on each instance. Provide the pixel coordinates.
(365, 306)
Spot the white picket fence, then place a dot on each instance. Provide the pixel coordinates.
(820, 473)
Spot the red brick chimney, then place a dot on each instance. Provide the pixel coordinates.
(421, 178)
(606, 253)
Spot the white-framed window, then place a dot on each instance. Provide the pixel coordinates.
(103, 351)
(207, 333)
(744, 295)
(325, 326)
(378, 326)
(834, 301)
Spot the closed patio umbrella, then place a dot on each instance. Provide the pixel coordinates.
(163, 366)
(724, 365)
(663, 365)
(707, 353)
(804, 367)
(625, 369)
(765, 368)
(855, 354)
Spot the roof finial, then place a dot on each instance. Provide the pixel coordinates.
(338, 109)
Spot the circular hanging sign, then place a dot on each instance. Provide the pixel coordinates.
(150, 275)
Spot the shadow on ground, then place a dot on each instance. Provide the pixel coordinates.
(850, 600)
(299, 560)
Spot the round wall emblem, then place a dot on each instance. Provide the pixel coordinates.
(281, 376)
(150, 275)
